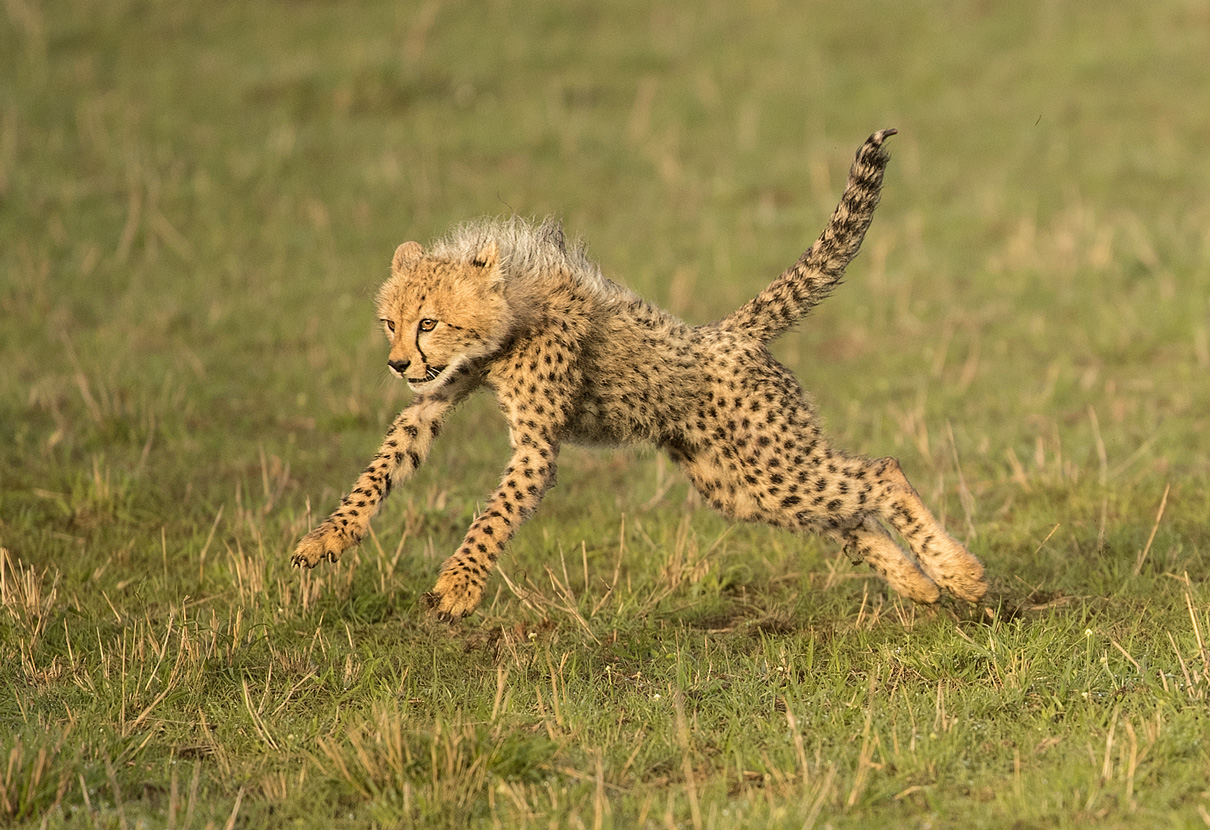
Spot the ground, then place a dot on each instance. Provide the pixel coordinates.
(196, 206)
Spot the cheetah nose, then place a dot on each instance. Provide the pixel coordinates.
(400, 366)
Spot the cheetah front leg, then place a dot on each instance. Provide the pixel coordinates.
(530, 473)
(403, 450)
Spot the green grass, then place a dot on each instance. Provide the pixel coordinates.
(197, 202)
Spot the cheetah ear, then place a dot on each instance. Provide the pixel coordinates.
(406, 253)
(488, 257)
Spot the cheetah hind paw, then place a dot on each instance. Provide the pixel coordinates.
(957, 571)
(322, 543)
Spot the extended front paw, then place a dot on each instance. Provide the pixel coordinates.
(456, 593)
(324, 542)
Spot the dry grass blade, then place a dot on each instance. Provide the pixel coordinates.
(570, 604)
(239, 799)
(258, 722)
(529, 598)
(1197, 631)
(1138, 564)
(682, 736)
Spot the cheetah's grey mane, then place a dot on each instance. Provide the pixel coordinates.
(525, 248)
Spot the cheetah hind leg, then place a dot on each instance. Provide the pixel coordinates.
(870, 543)
(946, 560)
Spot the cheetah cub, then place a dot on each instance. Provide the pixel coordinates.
(573, 357)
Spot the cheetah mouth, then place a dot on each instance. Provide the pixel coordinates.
(431, 374)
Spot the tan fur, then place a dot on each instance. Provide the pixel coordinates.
(573, 357)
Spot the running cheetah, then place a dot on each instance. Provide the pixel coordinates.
(574, 357)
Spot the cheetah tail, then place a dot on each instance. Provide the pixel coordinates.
(807, 282)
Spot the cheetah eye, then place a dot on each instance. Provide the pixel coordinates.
(428, 325)
(390, 324)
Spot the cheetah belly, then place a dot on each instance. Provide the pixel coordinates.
(596, 425)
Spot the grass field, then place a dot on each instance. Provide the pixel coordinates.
(197, 202)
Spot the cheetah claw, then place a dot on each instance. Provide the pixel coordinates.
(318, 545)
(432, 601)
(455, 595)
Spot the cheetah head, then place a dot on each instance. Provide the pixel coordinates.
(441, 315)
